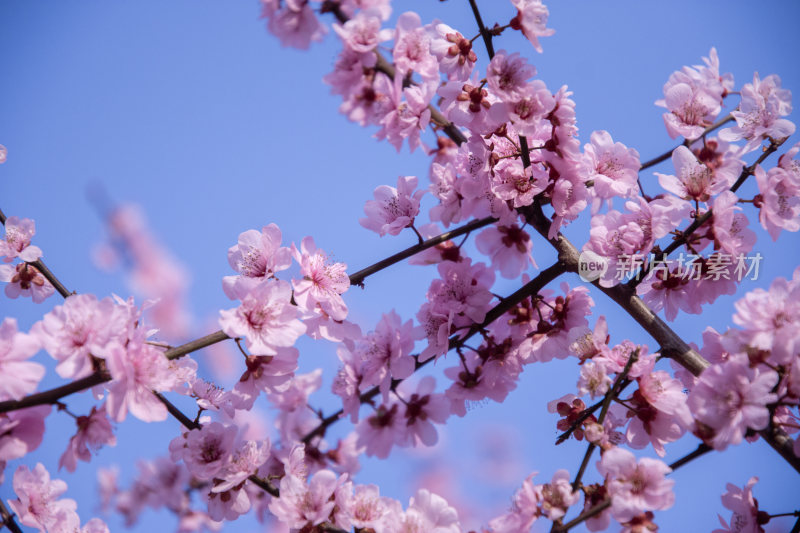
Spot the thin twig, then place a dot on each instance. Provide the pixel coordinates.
(8, 519)
(686, 142)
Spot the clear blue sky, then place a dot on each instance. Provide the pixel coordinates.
(193, 111)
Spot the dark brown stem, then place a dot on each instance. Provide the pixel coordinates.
(532, 287)
(190, 424)
(8, 519)
(486, 34)
(700, 220)
(686, 142)
(358, 277)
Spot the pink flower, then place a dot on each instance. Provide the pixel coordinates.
(696, 181)
(266, 318)
(508, 74)
(393, 209)
(729, 398)
(385, 353)
(300, 504)
(25, 280)
(77, 330)
(21, 431)
(635, 487)
(758, 115)
(366, 508)
(294, 24)
(453, 51)
(746, 516)
(264, 373)
(37, 504)
(136, 371)
(779, 195)
(594, 380)
(524, 510)
(17, 242)
(769, 319)
(427, 512)
(509, 247)
(259, 254)
(94, 430)
(558, 496)
(693, 97)
(323, 282)
(669, 290)
(406, 118)
(421, 409)
(613, 167)
(531, 19)
(3, 154)
(730, 226)
(379, 432)
(362, 33)
(468, 104)
(412, 48)
(18, 377)
(205, 451)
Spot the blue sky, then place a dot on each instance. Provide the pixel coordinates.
(193, 111)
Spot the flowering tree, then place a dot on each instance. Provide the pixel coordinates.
(507, 175)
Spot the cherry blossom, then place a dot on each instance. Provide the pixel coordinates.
(323, 282)
(729, 398)
(778, 200)
(746, 516)
(18, 376)
(363, 32)
(453, 51)
(509, 247)
(37, 504)
(259, 254)
(21, 432)
(94, 430)
(25, 280)
(612, 167)
(304, 504)
(294, 23)
(393, 209)
(635, 487)
(17, 242)
(412, 48)
(266, 318)
(758, 115)
(531, 19)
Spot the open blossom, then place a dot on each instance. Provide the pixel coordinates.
(635, 487)
(293, 22)
(266, 318)
(524, 509)
(363, 32)
(392, 210)
(427, 512)
(38, 504)
(264, 373)
(613, 167)
(453, 51)
(730, 226)
(769, 320)
(205, 451)
(509, 247)
(758, 115)
(594, 380)
(21, 431)
(323, 282)
(259, 254)
(17, 242)
(412, 48)
(137, 370)
(378, 433)
(729, 398)
(695, 180)
(80, 328)
(779, 200)
(746, 517)
(18, 376)
(558, 496)
(408, 115)
(302, 504)
(508, 75)
(25, 280)
(468, 104)
(531, 19)
(693, 97)
(422, 408)
(94, 430)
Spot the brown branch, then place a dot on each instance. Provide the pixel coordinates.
(671, 345)
(53, 395)
(532, 287)
(8, 519)
(358, 277)
(701, 219)
(686, 142)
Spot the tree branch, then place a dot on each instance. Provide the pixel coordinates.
(8, 519)
(686, 142)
